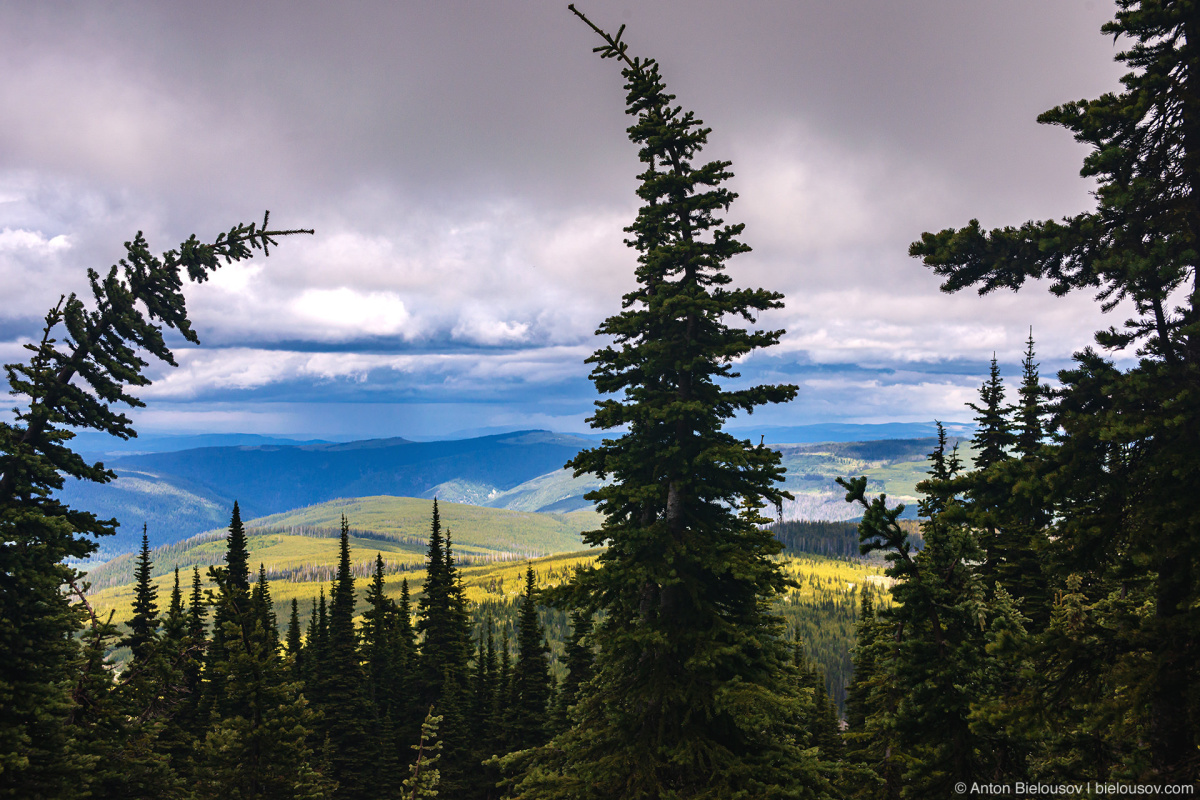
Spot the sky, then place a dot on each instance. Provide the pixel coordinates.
(466, 169)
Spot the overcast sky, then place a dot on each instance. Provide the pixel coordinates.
(467, 172)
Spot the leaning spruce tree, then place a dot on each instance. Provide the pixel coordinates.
(81, 370)
(693, 693)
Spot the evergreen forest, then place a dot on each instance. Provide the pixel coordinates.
(1036, 624)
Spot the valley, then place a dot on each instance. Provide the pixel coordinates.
(179, 494)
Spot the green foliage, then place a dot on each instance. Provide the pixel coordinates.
(423, 774)
(258, 725)
(144, 625)
(80, 371)
(344, 699)
(531, 687)
(1120, 479)
(689, 697)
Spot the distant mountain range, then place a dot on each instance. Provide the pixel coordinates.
(847, 432)
(179, 493)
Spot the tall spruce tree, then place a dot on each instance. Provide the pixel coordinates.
(405, 690)
(79, 374)
(175, 624)
(378, 650)
(531, 688)
(295, 639)
(874, 759)
(443, 622)
(1023, 511)
(143, 626)
(189, 715)
(257, 742)
(263, 607)
(237, 553)
(691, 696)
(447, 647)
(344, 701)
(233, 615)
(1126, 468)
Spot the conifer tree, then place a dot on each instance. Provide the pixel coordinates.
(175, 625)
(579, 657)
(116, 727)
(233, 615)
(446, 647)
(459, 769)
(405, 688)
(1023, 512)
(689, 696)
(197, 609)
(344, 699)
(501, 726)
(317, 660)
(481, 689)
(989, 493)
(531, 674)
(189, 715)
(237, 553)
(936, 593)
(443, 620)
(820, 717)
(264, 608)
(295, 642)
(423, 774)
(482, 716)
(993, 429)
(871, 702)
(80, 371)
(257, 744)
(171, 684)
(378, 630)
(1125, 466)
(1030, 428)
(143, 626)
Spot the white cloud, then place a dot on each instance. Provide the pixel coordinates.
(352, 312)
(203, 371)
(482, 329)
(33, 242)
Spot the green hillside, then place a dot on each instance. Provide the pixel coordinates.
(303, 542)
(407, 519)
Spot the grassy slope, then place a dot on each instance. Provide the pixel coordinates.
(395, 526)
(472, 527)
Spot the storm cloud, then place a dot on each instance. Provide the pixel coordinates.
(466, 168)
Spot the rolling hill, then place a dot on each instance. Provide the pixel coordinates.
(182, 493)
(302, 544)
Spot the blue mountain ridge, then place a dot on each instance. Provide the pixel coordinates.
(178, 493)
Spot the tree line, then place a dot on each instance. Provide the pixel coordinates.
(1048, 628)
(214, 702)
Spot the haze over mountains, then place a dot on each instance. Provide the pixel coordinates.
(177, 492)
